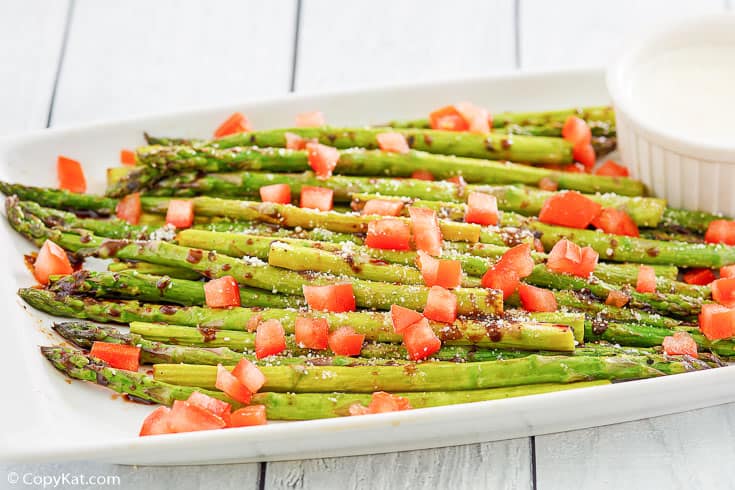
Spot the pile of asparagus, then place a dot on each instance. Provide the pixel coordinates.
(155, 280)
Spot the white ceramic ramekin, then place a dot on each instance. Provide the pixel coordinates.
(688, 173)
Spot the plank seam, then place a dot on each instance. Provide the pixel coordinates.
(62, 53)
(533, 462)
(261, 475)
(295, 58)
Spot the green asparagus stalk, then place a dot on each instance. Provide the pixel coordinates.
(59, 198)
(154, 269)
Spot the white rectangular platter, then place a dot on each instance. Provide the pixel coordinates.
(45, 417)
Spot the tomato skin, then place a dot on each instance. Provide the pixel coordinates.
(346, 342)
(422, 175)
(584, 154)
(717, 321)
(569, 208)
(295, 142)
(270, 339)
(119, 356)
(185, 417)
(441, 305)
(217, 407)
(574, 168)
(383, 402)
(567, 257)
(616, 222)
(180, 213)
(310, 119)
(222, 293)
(402, 318)
(720, 231)
(50, 261)
(699, 277)
(232, 386)
(727, 271)
(680, 344)
(392, 142)
(336, 298)
(322, 159)
(70, 175)
(646, 279)
(249, 375)
(388, 234)
(548, 184)
(248, 416)
(156, 423)
(236, 123)
(576, 131)
(129, 208)
(612, 168)
(448, 118)
(502, 279)
(420, 340)
(723, 291)
(482, 209)
(426, 232)
(317, 198)
(536, 299)
(278, 193)
(312, 333)
(477, 118)
(518, 259)
(382, 207)
(439, 272)
(127, 157)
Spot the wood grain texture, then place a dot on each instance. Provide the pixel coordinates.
(135, 57)
(31, 34)
(566, 33)
(504, 464)
(344, 45)
(687, 450)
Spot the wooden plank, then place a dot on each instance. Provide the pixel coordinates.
(31, 34)
(687, 450)
(504, 464)
(384, 41)
(568, 33)
(140, 57)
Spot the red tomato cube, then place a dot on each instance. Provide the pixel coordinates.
(717, 321)
(180, 213)
(310, 119)
(680, 344)
(426, 232)
(270, 339)
(402, 318)
(616, 222)
(156, 422)
(420, 340)
(185, 417)
(720, 231)
(249, 375)
(336, 298)
(322, 159)
(383, 207)
(646, 279)
(727, 271)
(699, 277)
(217, 407)
(51, 261)
(440, 272)
(612, 169)
(448, 118)
(388, 234)
(569, 208)
(346, 342)
(248, 416)
(477, 118)
(236, 123)
(422, 175)
(383, 402)
(482, 209)
(576, 130)
(119, 356)
(127, 157)
(441, 305)
(392, 142)
(723, 291)
(232, 386)
(70, 175)
(567, 257)
(278, 193)
(129, 208)
(222, 293)
(536, 299)
(312, 333)
(502, 279)
(317, 198)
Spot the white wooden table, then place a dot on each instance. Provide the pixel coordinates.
(72, 61)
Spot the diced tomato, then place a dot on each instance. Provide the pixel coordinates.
(249, 375)
(699, 277)
(448, 118)
(346, 342)
(336, 298)
(51, 261)
(441, 305)
(518, 259)
(482, 209)
(383, 402)
(680, 344)
(295, 142)
(322, 159)
(727, 271)
(576, 130)
(270, 339)
(156, 422)
(70, 174)
(646, 282)
(584, 154)
(317, 198)
(567, 257)
(248, 416)
(439, 272)
(612, 169)
(501, 279)
(127, 157)
(536, 299)
(359, 409)
(617, 299)
(548, 184)
(129, 208)
(422, 175)
(310, 119)
(180, 213)
(574, 168)
(253, 322)
(312, 333)
(402, 318)
(420, 340)
(383, 207)
(185, 417)
(717, 321)
(232, 386)
(426, 232)
(538, 245)
(222, 293)
(720, 231)
(616, 222)
(569, 208)
(217, 407)
(278, 193)
(457, 180)
(236, 123)
(388, 234)
(477, 118)
(392, 142)
(120, 356)
(723, 291)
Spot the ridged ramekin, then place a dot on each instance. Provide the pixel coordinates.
(687, 173)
